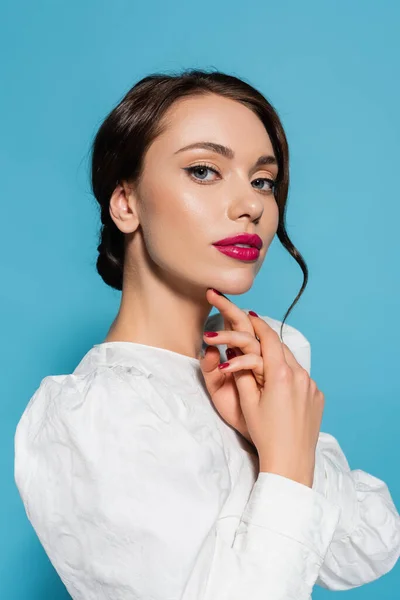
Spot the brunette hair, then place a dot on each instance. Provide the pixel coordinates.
(119, 147)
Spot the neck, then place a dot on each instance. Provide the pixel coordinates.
(156, 314)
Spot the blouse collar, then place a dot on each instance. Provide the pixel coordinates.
(172, 367)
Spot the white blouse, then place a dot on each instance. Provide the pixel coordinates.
(138, 490)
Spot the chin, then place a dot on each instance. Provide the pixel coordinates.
(234, 284)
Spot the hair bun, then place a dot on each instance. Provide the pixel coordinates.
(109, 263)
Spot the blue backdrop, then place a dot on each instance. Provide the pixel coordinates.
(332, 71)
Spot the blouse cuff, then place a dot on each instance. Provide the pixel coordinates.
(292, 509)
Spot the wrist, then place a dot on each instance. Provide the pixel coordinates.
(303, 478)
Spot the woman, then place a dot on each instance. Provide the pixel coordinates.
(154, 471)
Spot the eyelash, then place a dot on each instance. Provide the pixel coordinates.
(190, 170)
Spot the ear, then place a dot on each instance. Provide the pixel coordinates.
(123, 207)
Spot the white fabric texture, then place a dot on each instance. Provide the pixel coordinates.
(138, 490)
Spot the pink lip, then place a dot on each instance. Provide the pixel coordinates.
(242, 238)
(246, 254)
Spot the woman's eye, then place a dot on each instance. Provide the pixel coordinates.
(270, 182)
(199, 172)
(200, 169)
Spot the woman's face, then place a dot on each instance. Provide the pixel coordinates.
(189, 199)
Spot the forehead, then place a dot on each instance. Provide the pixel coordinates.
(214, 118)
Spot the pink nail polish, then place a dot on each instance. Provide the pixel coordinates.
(210, 333)
(252, 313)
(223, 365)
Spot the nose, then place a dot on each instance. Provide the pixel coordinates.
(245, 202)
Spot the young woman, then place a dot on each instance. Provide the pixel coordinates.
(158, 470)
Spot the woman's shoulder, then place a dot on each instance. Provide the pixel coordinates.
(68, 402)
(80, 422)
(79, 391)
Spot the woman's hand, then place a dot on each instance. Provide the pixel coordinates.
(282, 418)
(238, 335)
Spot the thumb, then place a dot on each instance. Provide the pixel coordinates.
(213, 376)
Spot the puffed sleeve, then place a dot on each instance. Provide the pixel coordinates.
(126, 502)
(366, 543)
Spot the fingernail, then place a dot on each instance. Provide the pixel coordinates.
(230, 353)
(223, 365)
(252, 313)
(210, 333)
(221, 294)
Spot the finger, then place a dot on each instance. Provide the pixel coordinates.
(246, 342)
(271, 346)
(227, 327)
(248, 390)
(232, 314)
(235, 318)
(213, 376)
(246, 361)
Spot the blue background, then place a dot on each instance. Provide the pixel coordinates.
(332, 71)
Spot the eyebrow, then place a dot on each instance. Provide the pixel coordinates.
(266, 159)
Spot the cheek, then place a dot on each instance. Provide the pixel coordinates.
(158, 207)
(271, 217)
(172, 215)
(275, 217)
